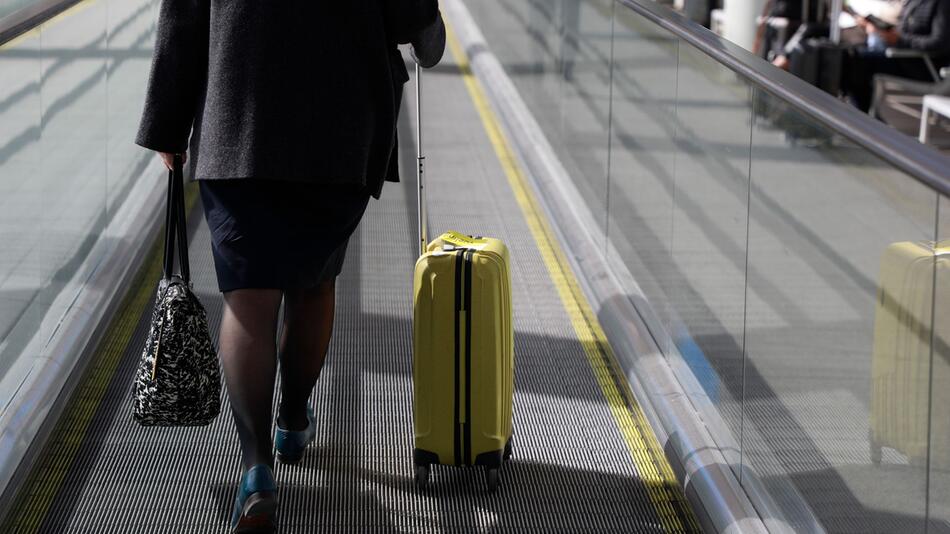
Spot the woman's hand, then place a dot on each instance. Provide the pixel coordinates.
(890, 35)
(781, 61)
(169, 159)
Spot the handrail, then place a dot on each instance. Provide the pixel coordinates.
(904, 152)
(24, 20)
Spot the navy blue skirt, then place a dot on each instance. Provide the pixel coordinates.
(275, 234)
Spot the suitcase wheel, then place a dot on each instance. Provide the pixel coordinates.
(508, 450)
(493, 478)
(422, 477)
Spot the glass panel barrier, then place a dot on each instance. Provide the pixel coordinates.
(558, 56)
(642, 162)
(71, 175)
(837, 324)
(131, 31)
(526, 38)
(21, 74)
(58, 204)
(71, 93)
(585, 99)
(711, 194)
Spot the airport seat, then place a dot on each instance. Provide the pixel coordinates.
(898, 102)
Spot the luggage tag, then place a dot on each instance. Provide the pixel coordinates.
(456, 240)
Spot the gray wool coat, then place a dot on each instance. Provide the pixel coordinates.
(304, 90)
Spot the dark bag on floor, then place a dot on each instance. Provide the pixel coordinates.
(819, 61)
(178, 382)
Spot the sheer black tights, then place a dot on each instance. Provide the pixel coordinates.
(308, 326)
(247, 349)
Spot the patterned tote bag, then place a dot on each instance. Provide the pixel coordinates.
(178, 382)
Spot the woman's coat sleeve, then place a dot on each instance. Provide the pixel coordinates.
(429, 44)
(178, 75)
(937, 40)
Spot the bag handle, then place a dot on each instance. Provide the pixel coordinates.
(175, 224)
(420, 171)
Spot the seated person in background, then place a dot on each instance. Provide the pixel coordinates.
(924, 25)
(873, 20)
(767, 38)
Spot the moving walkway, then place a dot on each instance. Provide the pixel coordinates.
(585, 456)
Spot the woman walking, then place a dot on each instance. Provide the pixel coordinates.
(289, 112)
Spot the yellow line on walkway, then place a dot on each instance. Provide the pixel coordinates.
(46, 478)
(664, 490)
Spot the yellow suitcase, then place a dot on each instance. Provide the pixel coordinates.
(463, 349)
(901, 362)
(463, 365)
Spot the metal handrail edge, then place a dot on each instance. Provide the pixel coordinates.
(902, 151)
(28, 18)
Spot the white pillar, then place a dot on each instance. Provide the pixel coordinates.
(836, 8)
(739, 21)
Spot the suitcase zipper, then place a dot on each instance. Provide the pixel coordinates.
(468, 357)
(459, 264)
(463, 344)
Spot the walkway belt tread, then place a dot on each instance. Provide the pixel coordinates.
(572, 469)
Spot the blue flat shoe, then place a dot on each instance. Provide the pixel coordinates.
(255, 507)
(290, 444)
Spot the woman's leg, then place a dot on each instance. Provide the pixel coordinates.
(247, 348)
(308, 326)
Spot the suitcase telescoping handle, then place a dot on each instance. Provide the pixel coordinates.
(420, 170)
